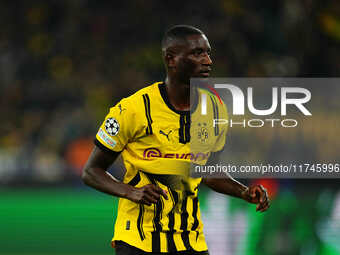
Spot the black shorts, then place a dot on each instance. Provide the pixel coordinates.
(126, 249)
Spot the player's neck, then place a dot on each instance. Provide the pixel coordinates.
(178, 94)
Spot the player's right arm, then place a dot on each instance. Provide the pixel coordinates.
(96, 176)
(117, 130)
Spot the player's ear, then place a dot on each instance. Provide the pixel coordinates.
(170, 58)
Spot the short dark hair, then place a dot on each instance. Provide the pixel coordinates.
(179, 32)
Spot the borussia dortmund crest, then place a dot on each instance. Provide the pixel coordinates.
(203, 132)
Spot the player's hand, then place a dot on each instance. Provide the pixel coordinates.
(148, 194)
(257, 195)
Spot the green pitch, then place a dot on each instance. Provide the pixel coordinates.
(55, 221)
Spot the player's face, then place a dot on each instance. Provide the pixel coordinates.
(194, 59)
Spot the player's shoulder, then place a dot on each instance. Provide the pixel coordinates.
(138, 97)
(136, 100)
(212, 96)
(151, 88)
(214, 101)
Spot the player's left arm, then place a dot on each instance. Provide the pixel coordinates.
(227, 185)
(255, 194)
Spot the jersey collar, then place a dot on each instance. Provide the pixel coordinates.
(164, 94)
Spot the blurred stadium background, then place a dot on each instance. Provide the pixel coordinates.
(64, 63)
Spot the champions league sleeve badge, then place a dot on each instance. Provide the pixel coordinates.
(112, 126)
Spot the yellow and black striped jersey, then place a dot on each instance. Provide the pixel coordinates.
(158, 143)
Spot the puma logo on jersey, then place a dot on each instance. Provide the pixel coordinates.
(167, 135)
(121, 109)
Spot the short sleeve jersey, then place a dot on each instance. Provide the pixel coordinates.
(158, 143)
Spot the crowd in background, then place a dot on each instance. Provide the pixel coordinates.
(64, 63)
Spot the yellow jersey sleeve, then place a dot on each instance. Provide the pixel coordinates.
(223, 127)
(119, 127)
